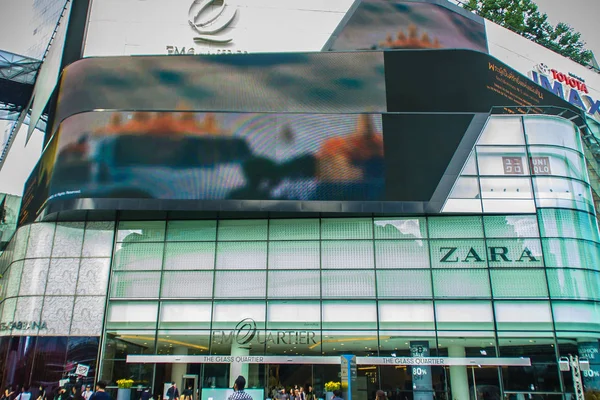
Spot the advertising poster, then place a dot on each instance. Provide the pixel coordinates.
(384, 24)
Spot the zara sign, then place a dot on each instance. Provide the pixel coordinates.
(494, 254)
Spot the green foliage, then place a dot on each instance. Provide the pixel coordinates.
(524, 18)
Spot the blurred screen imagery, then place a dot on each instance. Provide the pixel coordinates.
(384, 24)
(219, 156)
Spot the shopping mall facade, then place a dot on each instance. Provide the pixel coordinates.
(322, 193)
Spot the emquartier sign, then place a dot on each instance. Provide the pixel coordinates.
(245, 332)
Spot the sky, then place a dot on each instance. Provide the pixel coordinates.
(582, 15)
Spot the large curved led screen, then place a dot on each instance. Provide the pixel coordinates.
(385, 131)
(215, 156)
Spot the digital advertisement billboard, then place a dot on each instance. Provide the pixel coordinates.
(285, 132)
(385, 24)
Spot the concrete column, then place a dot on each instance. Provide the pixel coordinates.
(178, 370)
(459, 378)
(237, 369)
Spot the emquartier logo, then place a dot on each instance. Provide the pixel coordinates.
(245, 333)
(208, 27)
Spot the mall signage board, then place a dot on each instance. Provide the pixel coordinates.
(567, 86)
(332, 360)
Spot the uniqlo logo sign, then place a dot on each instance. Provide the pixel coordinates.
(513, 165)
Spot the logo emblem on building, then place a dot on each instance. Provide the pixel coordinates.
(206, 24)
(543, 69)
(245, 330)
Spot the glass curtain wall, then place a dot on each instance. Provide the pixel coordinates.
(484, 286)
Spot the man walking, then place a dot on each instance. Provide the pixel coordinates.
(173, 392)
(100, 393)
(238, 387)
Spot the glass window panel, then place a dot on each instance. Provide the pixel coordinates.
(294, 229)
(190, 255)
(511, 226)
(357, 284)
(131, 314)
(40, 240)
(568, 223)
(294, 255)
(98, 239)
(406, 315)
(347, 254)
(141, 231)
(93, 276)
(551, 130)
(470, 167)
(88, 315)
(248, 229)
(506, 206)
(242, 255)
(562, 192)
(401, 254)
(62, 276)
(403, 283)
(346, 228)
(359, 343)
(523, 315)
(458, 253)
(574, 283)
(465, 188)
(29, 309)
(240, 284)
(502, 130)
(293, 314)
(188, 342)
(22, 237)
(136, 284)
(455, 227)
(514, 253)
(571, 253)
(506, 188)
(557, 161)
(138, 256)
(68, 239)
(14, 279)
(463, 315)
(185, 314)
(400, 228)
(353, 314)
(191, 231)
(57, 313)
(576, 316)
(461, 283)
(502, 161)
(33, 280)
(8, 309)
(294, 284)
(226, 314)
(462, 206)
(119, 344)
(517, 283)
(193, 284)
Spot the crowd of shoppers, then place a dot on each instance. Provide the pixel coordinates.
(68, 392)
